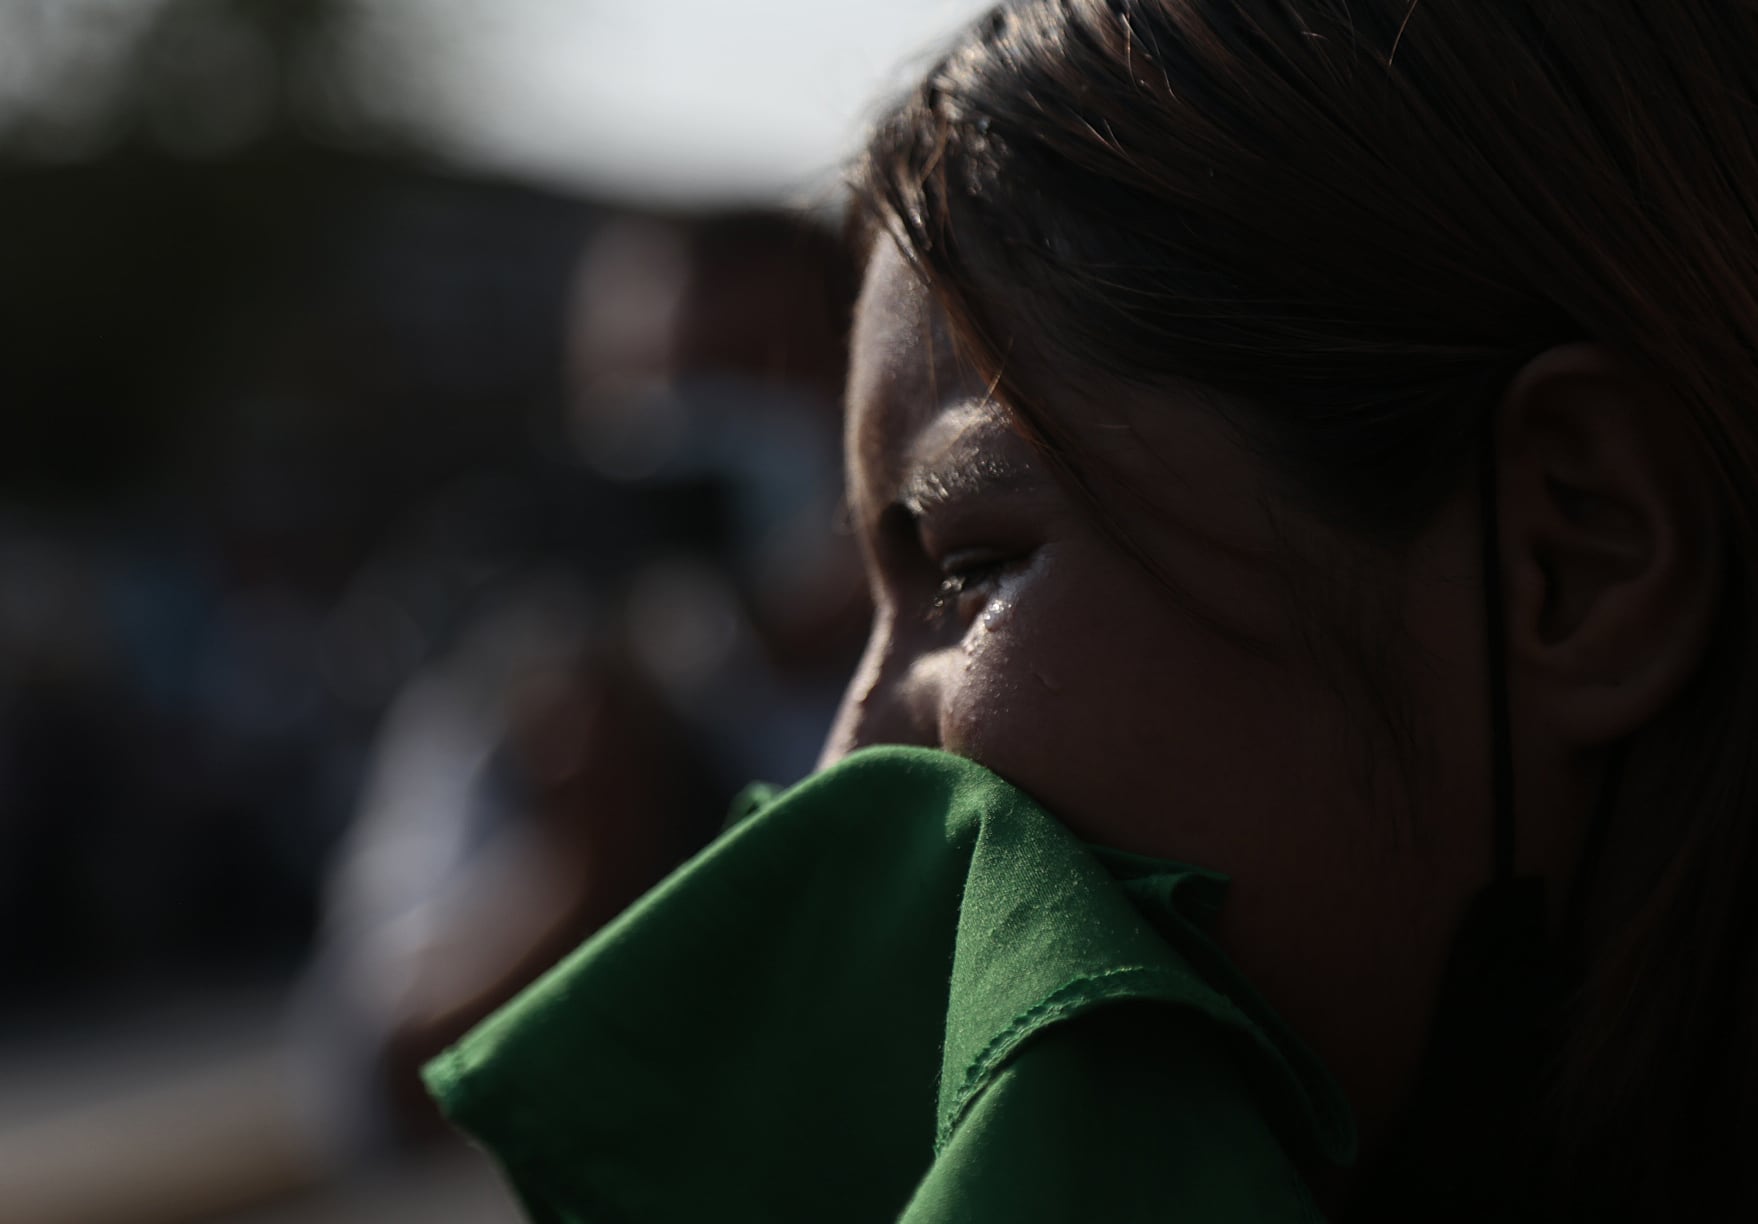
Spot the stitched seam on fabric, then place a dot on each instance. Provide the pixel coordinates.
(1053, 1007)
(1324, 1111)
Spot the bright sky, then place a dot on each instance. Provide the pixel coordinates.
(671, 98)
(680, 99)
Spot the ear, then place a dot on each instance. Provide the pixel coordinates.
(1610, 538)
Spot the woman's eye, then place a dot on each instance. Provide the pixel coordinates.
(962, 579)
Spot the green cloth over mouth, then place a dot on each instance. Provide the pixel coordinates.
(901, 991)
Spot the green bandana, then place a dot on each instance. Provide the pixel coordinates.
(901, 991)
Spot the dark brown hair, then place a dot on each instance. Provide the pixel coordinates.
(1358, 218)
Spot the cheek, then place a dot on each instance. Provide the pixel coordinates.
(1142, 729)
(1002, 699)
(1119, 713)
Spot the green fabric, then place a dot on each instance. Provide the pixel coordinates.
(900, 991)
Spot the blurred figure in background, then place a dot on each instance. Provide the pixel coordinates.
(710, 355)
(681, 629)
(406, 551)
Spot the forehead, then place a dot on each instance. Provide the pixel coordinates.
(1168, 465)
(907, 384)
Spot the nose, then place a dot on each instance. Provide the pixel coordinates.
(889, 700)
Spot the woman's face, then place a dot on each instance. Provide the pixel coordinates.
(1200, 717)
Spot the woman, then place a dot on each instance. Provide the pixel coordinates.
(1312, 440)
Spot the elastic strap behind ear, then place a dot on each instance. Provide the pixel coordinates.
(1501, 739)
(1463, 1148)
(1592, 851)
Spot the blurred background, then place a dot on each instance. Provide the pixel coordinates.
(418, 517)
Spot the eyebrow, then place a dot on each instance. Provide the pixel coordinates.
(951, 477)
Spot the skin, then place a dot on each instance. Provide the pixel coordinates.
(1197, 721)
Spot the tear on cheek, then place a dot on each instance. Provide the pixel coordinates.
(994, 697)
(997, 614)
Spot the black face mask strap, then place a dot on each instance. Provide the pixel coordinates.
(1504, 869)
(1501, 739)
(1461, 1141)
(1508, 914)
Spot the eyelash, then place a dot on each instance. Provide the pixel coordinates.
(958, 580)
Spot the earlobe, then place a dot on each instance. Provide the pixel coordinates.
(1609, 543)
